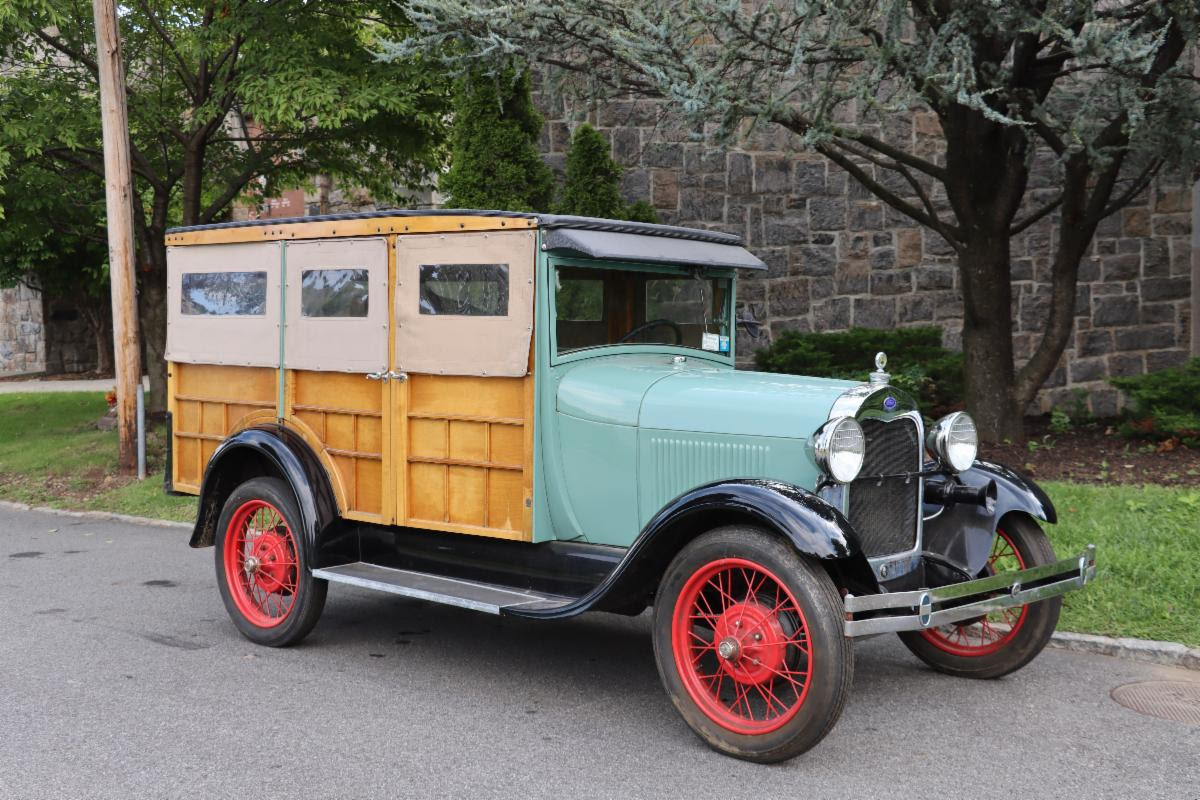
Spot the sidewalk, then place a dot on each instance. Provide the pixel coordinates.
(35, 385)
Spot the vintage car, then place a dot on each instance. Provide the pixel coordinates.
(538, 415)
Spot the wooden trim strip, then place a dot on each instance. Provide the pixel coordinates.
(371, 226)
(463, 462)
(190, 398)
(333, 451)
(211, 437)
(471, 530)
(466, 418)
(330, 410)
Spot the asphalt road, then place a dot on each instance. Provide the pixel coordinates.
(120, 676)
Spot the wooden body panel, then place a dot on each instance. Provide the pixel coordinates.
(468, 461)
(439, 452)
(207, 403)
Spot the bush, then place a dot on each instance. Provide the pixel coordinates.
(494, 158)
(917, 361)
(1163, 404)
(592, 186)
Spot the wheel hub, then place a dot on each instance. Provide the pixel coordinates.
(270, 561)
(751, 642)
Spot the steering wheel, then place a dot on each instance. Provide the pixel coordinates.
(654, 323)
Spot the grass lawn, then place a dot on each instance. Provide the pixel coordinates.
(51, 454)
(1147, 537)
(1147, 559)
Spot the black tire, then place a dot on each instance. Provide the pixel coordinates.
(829, 660)
(303, 595)
(1013, 650)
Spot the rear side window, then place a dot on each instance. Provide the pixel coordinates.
(224, 294)
(464, 290)
(334, 293)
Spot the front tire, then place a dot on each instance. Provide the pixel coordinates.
(749, 644)
(1003, 641)
(262, 566)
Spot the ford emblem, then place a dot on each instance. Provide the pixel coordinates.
(889, 403)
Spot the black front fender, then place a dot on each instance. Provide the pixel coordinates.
(266, 450)
(814, 528)
(962, 534)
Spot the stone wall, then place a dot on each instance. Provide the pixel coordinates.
(840, 258)
(22, 344)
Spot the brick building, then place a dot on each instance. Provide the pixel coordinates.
(840, 258)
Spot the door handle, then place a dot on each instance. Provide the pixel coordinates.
(378, 376)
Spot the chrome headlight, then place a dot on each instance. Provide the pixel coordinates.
(954, 440)
(838, 447)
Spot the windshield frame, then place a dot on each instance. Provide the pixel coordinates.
(554, 262)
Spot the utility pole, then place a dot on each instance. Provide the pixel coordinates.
(118, 191)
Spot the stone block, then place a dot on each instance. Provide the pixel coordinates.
(667, 155)
(772, 174)
(1166, 289)
(784, 231)
(1171, 224)
(1135, 222)
(696, 204)
(635, 185)
(822, 288)
(1156, 257)
(914, 308)
(871, 312)
(1153, 313)
(740, 173)
(1104, 403)
(808, 178)
(883, 258)
(816, 261)
(832, 315)
(1087, 369)
(865, 216)
(1147, 337)
(788, 297)
(891, 283)
(1123, 364)
(908, 247)
(626, 146)
(1120, 267)
(935, 245)
(1163, 359)
(664, 191)
(932, 278)
(827, 213)
(1113, 311)
(1093, 343)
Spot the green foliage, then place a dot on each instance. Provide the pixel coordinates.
(1163, 404)
(917, 361)
(1060, 421)
(1147, 584)
(641, 211)
(494, 158)
(51, 454)
(593, 180)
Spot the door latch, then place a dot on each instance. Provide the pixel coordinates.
(379, 376)
(397, 376)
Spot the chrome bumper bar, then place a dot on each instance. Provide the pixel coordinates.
(932, 608)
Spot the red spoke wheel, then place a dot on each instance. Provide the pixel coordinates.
(262, 571)
(1001, 641)
(749, 644)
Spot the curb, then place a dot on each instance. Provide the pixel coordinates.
(1168, 654)
(98, 515)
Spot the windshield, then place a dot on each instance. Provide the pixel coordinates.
(597, 307)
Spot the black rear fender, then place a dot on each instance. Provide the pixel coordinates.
(267, 450)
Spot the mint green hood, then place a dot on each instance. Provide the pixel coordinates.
(696, 396)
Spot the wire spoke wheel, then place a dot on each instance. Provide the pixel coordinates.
(985, 635)
(261, 563)
(742, 646)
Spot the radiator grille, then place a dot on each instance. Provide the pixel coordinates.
(885, 513)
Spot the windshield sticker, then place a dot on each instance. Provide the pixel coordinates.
(711, 341)
(724, 344)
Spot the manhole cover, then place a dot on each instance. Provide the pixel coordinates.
(1174, 700)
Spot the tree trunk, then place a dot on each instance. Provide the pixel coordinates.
(987, 339)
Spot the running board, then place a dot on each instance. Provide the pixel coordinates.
(487, 597)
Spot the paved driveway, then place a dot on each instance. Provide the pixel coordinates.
(120, 676)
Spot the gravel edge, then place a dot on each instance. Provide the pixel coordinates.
(1168, 654)
(1171, 654)
(99, 515)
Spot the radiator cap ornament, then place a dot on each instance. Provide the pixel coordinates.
(879, 377)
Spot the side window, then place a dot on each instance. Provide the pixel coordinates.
(224, 294)
(579, 299)
(334, 293)
(465, 290)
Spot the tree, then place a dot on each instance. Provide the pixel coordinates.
(592, 185)
(53, 239)
(228, 99)
(494, 159)
(1098, 89)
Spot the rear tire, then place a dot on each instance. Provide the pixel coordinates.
(1003, 641)
(749, 644)
(263, 570)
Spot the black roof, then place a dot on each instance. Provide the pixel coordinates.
(548, 221)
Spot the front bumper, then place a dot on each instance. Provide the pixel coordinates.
(889, 613)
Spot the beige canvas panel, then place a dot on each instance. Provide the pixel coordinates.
(203, 339)
(338, 344)
(465, 345)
